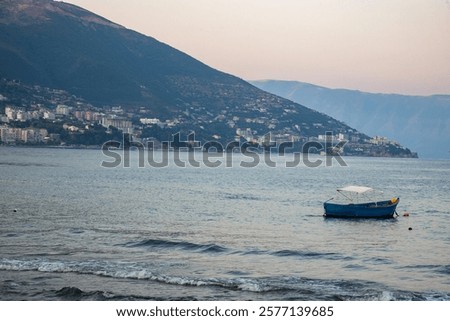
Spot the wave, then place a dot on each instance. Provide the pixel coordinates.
(155, 243)
(215, 248)
(125, 271)
(75, 294)
(443, 269)
(243, 197)
(25, 164)
(279, 288)
(297, 254)
(308, 254)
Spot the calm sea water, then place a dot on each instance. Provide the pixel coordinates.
(72, 230)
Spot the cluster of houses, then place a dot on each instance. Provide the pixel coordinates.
(10, 134)
(79, 120)
(26, 135)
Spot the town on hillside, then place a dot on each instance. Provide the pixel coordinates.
(40, 116)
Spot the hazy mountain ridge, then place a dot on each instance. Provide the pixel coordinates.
(419, 122)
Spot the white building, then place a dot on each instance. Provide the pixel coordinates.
(49, 115)
(26, 135)
(379, 140)
(21, 116)
(10, 113)
(149, 121)
(62, 110)
(120, 123)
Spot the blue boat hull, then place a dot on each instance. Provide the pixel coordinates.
(384, 209)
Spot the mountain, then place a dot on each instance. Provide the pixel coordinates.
(59, 45)
(419, 122)
(54, 53)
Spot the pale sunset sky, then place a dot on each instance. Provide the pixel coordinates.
(388, 46)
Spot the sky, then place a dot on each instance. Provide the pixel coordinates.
(386, 46)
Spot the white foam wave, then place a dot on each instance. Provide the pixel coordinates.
(145, 271)
(386, 296)
(124, 271)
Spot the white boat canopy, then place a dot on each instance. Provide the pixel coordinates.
(355, 189)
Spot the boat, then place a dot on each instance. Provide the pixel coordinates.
(355, 207)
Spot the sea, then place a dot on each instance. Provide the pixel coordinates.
(72, 228)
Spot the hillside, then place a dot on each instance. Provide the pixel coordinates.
(49, 47)
(419, 122)
(58, 45)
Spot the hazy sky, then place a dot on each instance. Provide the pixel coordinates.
(391, 46)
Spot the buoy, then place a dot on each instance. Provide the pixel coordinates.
(406, 214)
(410, 229)
(15, 210)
